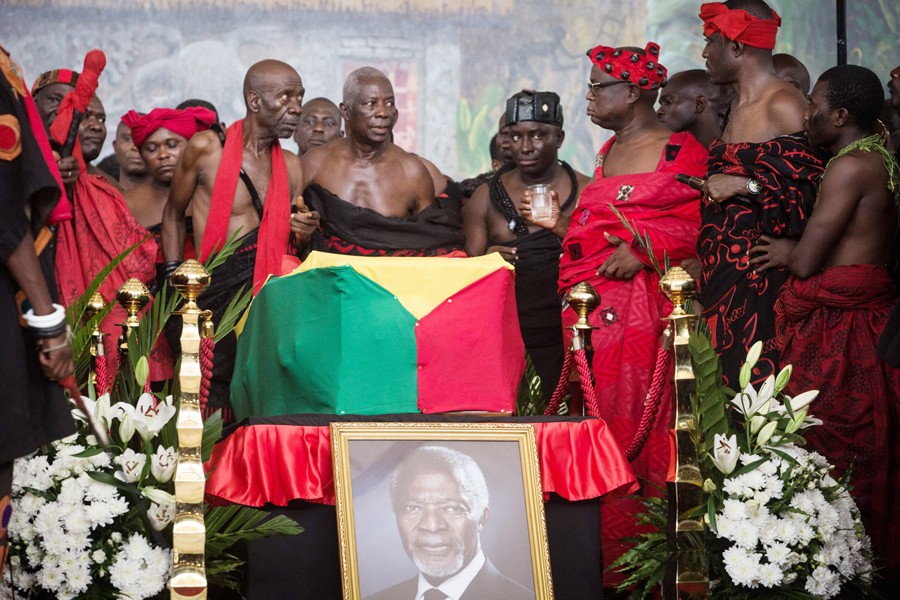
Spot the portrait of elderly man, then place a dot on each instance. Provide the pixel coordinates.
(441, 503)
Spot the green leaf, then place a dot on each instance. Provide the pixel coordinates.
(747, 468)
(109, 479)
(711, 511)
(212, 432)
(89, 452)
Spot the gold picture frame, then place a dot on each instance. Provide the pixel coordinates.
(511, 531)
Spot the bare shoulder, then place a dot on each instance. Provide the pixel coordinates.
(856, 170)
(785, 107)
(582, 179)
(205, 142)
(312, 161)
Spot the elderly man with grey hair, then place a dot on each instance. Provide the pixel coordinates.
(373, 197)
(441, 503)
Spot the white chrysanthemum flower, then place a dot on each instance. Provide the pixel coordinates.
(98, 556)
(734, 509)
(742, 566)
(770, 575)
(746, 534)
(823, 582)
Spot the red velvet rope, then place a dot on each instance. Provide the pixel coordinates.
(560, 391)
(651, 406)
(587, 387)
(102, 375)
(206, 361)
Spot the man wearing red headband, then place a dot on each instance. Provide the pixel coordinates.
(242, 182)
(635, 175)
(761, 182)
(161, 136)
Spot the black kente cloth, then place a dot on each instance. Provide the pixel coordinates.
(537, 272)
(33, 410)
(226, 281)
(349, 229)
(739, 303)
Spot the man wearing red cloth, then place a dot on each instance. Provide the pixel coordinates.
(161, 136)
(102, 227)
(242, 184)
(761, 181)
(373, 197)
(838, 299)
(635, 175)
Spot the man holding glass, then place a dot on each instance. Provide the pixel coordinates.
(492, 223)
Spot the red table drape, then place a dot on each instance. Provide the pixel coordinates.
(266, 463)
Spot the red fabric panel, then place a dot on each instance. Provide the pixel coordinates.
(102, 229)
(470, 352)
(828, 325)
(274, 464)
(275, 227)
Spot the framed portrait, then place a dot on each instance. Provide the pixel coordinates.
(440, 510)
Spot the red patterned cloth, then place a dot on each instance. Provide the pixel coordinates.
(828, 325)
(274, 228)
(628, 319)
(737, 300)
(103, 228)
(739, 25)
(262, 464)
(643, 70)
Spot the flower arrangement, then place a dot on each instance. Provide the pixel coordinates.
(778, 522)
(92, 518)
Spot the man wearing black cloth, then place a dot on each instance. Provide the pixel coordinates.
(364, 194)
(492, 223)
(33, 409)
(762, 181)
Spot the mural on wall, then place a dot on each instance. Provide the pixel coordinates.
(453, 62)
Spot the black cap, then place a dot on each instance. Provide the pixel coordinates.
(542, 107)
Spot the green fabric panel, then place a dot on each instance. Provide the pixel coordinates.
(325, 341)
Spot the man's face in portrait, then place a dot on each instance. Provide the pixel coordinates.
(437, 526)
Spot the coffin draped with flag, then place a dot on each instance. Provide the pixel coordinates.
(377, 335)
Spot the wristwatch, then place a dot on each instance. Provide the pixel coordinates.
(754, 187)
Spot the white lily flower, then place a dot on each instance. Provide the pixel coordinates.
(801, 401)
(747, 368)
(132, 464)
(162, 463)
(783, 377)
(750, 402)
(158, 496)
(156, 413)
(126, 428)
(726, 453)
(766, 433)
(161, 515)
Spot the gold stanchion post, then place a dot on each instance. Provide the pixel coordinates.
(94, 307)
(189, 530)
(692, 564)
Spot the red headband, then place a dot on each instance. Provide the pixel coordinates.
(642, 70)
(185, 122)
(739, 25)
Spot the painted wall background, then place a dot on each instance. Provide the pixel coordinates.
(455, 61)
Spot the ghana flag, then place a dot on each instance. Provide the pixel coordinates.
(378, 335)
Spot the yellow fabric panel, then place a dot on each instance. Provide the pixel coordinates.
(420, 283)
